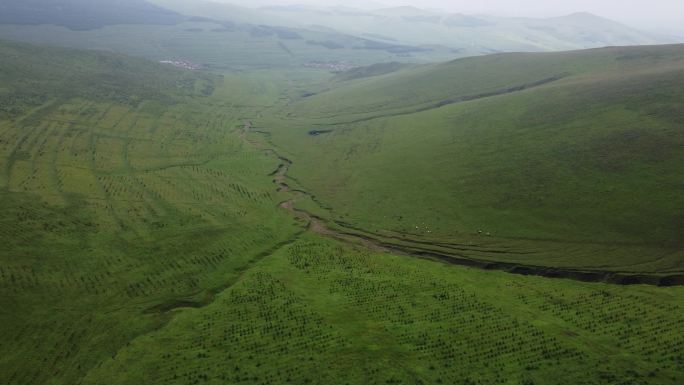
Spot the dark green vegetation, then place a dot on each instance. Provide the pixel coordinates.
(143, 242)
(565, 160)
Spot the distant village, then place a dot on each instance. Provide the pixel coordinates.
(331, 66)
(183, 64)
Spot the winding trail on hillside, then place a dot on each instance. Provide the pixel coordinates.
(450, 101)
(449, 253)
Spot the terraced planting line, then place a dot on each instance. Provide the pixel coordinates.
(416, 248)
(206, 297)
(210, 295)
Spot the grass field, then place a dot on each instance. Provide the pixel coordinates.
(317, 312)
(570, 159)
(143, 242)
(114, 213)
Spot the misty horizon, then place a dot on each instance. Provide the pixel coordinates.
(662, 16)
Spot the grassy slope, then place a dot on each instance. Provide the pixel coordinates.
(32, 75)
(320, 313)
(85, 14)
(579, 172)
(115, 212)
(471, 77)
(119, 217)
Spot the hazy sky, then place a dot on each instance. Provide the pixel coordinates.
(660, 15)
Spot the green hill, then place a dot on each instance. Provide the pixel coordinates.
(475, 33)
(146, 236)
(125, 193)
(477, 77)
(33, 75)
(85, 14)
(565, 159)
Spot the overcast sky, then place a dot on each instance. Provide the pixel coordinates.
(657, 15)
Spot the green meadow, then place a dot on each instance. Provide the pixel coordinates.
(319, 312)
(120, 205)
(565, 159)
(143, 239)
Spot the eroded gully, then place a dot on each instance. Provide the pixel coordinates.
(449, 253)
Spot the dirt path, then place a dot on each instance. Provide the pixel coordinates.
(448, 253)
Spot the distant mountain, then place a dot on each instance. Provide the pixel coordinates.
(212, 36)
(85, 14)
(296, 35)
(589, 30)
(221, 11)
(404, 11)
(358, 4)
(415, 26)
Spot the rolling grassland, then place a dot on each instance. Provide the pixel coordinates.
(319, 312)
(116, 213)
(555, 160)
(151, 232)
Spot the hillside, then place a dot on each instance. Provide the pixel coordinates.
(85, 14)
(222, 45)
(226, 36)
(125, 193)
(568, 159)
(430, 86)
(34, 75)
(151, 232)
(480, 33)
(218, 36)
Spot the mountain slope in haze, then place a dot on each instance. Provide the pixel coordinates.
(485, 33)
(407, 34)
(219, 36)
(563, 159)
(225, 45)
(32, 75)
(221, 11)
(85, 14)
(587, 30)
